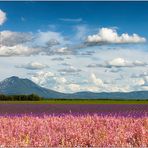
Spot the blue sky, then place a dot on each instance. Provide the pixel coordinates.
(76, 46)
(129, 16)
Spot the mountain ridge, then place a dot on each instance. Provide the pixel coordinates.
(16, 86)
(23, 86)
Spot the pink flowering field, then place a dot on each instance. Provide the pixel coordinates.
(71, 131)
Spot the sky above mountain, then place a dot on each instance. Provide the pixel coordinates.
(76, 46)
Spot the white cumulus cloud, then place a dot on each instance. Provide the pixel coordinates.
(33, 66)
(10, 38)
(48, 38)
(42, 77)
(3, 17)
(96, 80)
(119, 62)
(110, 35)
(27, 43)
(74, 87)
(70, 70)
(18, 50)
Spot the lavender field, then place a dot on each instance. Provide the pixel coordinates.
(65, 125)
(133, 110)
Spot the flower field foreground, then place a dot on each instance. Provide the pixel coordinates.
(70, 131)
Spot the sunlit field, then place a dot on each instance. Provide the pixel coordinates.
(77, 101)
(71, 131)
(71, 125)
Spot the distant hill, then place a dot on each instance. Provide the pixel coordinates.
(112, 95)
(17, 86)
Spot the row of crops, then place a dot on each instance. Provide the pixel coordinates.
(71, 125)
(71, 131)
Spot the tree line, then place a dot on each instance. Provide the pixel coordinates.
(34, 97)
(31, 97)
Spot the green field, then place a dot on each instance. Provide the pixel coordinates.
(77, 102)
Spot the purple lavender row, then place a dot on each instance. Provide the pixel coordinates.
(61, 109)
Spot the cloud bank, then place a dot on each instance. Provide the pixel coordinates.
(55, 43)
(118, 63)
(25, 44)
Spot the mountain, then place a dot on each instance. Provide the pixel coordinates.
(17, 86)
(112, 95)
